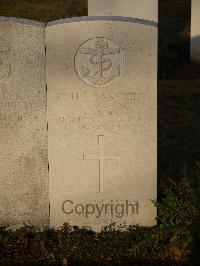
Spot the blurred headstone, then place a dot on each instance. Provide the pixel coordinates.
(142, 9)
(23, 125)
(195, 31)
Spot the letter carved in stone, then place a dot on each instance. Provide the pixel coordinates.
(4, 59)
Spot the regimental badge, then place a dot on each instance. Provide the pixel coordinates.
(99, 62)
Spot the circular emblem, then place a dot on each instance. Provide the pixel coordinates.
(99, 62)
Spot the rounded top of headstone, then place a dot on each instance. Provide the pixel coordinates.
(103, 18)
(22, 21)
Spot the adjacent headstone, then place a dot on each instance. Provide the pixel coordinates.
(23, 125)
(195, 31)
(143, 9)
(102, 80)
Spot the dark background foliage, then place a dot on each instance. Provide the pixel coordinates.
(178, 127)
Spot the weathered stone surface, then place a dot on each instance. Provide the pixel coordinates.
(142, 9)
(102, 79)
(195, 31)
(23, 125)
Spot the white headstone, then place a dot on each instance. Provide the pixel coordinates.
(23, 125)
(102, 83)
(142, 9)
(195, 31)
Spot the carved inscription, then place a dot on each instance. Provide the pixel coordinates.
(8, 120)
(15, 109)
(99, 61)
(112, 111)
(4, 59)
(126, 100)
(100, 158)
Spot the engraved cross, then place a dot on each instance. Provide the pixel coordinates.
(101, 158)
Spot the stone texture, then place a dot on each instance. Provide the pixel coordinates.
(102, 79)
(195, 31)
(23, 125)
(143, 9)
